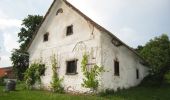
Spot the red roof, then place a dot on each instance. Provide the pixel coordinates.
(5, 71)
(2, 72)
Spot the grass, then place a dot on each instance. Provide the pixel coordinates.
(22, 94)
(143, 93)
(137, 93)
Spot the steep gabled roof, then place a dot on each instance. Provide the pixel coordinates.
(88, 19)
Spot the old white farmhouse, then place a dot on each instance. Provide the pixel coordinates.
(68, 33)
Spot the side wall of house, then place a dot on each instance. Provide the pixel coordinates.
(85, 38)
(128, 63)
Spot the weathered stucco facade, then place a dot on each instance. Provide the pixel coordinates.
(87, 37)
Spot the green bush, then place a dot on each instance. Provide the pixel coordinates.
(21, 85)
(56, 81)
(152, 81)
(32, 74)
(90, 80)
(2, 81)
(106, 92)
(156, 52)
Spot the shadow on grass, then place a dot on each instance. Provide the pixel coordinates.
(141, 93)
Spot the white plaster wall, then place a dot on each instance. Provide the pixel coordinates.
(85, 38)
(128, 63)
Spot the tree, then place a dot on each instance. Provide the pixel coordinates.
(20, 61)
(139, 49)
(20, 57)
(157, 54)
(30, 24)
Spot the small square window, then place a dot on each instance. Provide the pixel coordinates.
(137, 73)
(71, 67)
(46, 37)
(69, 30)
(116, 68)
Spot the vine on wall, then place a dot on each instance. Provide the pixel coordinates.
(33, 74)
(90, 80)
(56, 81)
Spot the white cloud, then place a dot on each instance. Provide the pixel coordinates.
(6, 23)
(10, 42)
(131, 37)
(8, 29)
(2, 15)
(5, 61)
(128, 33)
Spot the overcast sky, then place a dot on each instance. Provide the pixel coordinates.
(135, 22)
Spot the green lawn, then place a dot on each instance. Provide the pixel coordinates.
(137, 93)
(143, 93)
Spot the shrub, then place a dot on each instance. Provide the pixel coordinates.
(90, 80)
(56, 81)
(156, 52)
(32, 74)
(106, 92)
(2, 83)
(151, 81)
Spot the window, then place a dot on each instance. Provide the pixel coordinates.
(46, 37)
(71, 67)
(69, 30)
(42, 71)
(116, 68)
(137, 73)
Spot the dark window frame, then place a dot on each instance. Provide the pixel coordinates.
(137, 73)
(69, 30)
(46, 37)
(116, 68)
(70, 68)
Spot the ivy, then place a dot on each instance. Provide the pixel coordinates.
(90, 80)
(33, 73)
(56, 81)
